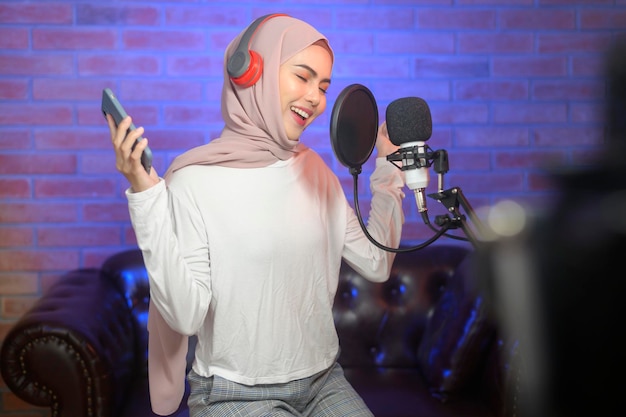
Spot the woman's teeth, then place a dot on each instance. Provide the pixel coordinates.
(300, 112)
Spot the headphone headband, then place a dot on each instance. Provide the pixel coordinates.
(245, 66)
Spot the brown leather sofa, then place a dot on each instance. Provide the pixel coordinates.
(422, 344)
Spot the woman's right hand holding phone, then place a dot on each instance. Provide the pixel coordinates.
(127, 159)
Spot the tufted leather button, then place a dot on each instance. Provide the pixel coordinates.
(395, 291)
(378, 355)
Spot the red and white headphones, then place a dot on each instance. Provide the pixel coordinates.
(245, 66)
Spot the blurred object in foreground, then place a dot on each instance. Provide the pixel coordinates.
(558, 286)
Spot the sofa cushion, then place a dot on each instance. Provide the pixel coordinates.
(402, 392)
(456, 336)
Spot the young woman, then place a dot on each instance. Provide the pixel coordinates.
(243, 239)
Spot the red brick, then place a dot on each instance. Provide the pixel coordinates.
(73, 38)
(119, 64)
(457, 19)
(363, 18)
(15, 13)
(193, 15)
(38, 260)
(523, 159)
(40, 114)
(373, 67)
(607, 18)
(164, 40)
(106, 212)
(74, 187)
(13, 38)
(568, 136)
(36, 64)
(19, 283)
(492, 137)
(15, 236)
(37, 164)
(159, 89)
(495, 43)
(588, 65)
(533, 19)
(35, 212)
(389, 90)
(16, 188)
(98, 163)
(530, 113)
(536, 66)
(451, 67)
(206, 66)
(572, 42)
(15, 139)
(77, 236)
(123, 15)
(13, 89)
(415, 43)
(568, 90)
(491, 90)
(15, 307)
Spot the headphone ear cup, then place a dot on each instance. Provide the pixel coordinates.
(253, 73)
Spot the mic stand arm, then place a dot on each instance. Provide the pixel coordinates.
(453, 198)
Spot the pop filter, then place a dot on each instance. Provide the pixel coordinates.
(354, 126)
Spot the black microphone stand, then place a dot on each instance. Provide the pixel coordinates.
(453, 199)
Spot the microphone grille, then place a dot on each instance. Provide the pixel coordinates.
(408, 120)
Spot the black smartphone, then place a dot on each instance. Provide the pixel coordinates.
(112, 106)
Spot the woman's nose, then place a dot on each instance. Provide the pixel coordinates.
(313, 95)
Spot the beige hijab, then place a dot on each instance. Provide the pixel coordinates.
(253, 136)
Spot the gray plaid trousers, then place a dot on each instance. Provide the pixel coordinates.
(325, 394)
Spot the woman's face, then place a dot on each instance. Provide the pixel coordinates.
(303, 81)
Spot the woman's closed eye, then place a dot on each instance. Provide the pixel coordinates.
(311, 78)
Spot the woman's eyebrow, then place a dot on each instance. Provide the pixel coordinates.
(312, 71)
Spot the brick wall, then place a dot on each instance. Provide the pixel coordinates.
(513, 86)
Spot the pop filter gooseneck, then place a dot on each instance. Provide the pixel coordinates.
(353, 132)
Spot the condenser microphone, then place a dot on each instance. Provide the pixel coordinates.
(410, 125)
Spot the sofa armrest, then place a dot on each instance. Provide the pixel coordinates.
(73, 351)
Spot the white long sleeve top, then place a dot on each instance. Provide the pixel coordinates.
(248, 259)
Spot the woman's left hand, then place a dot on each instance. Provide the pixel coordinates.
(384, 146)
